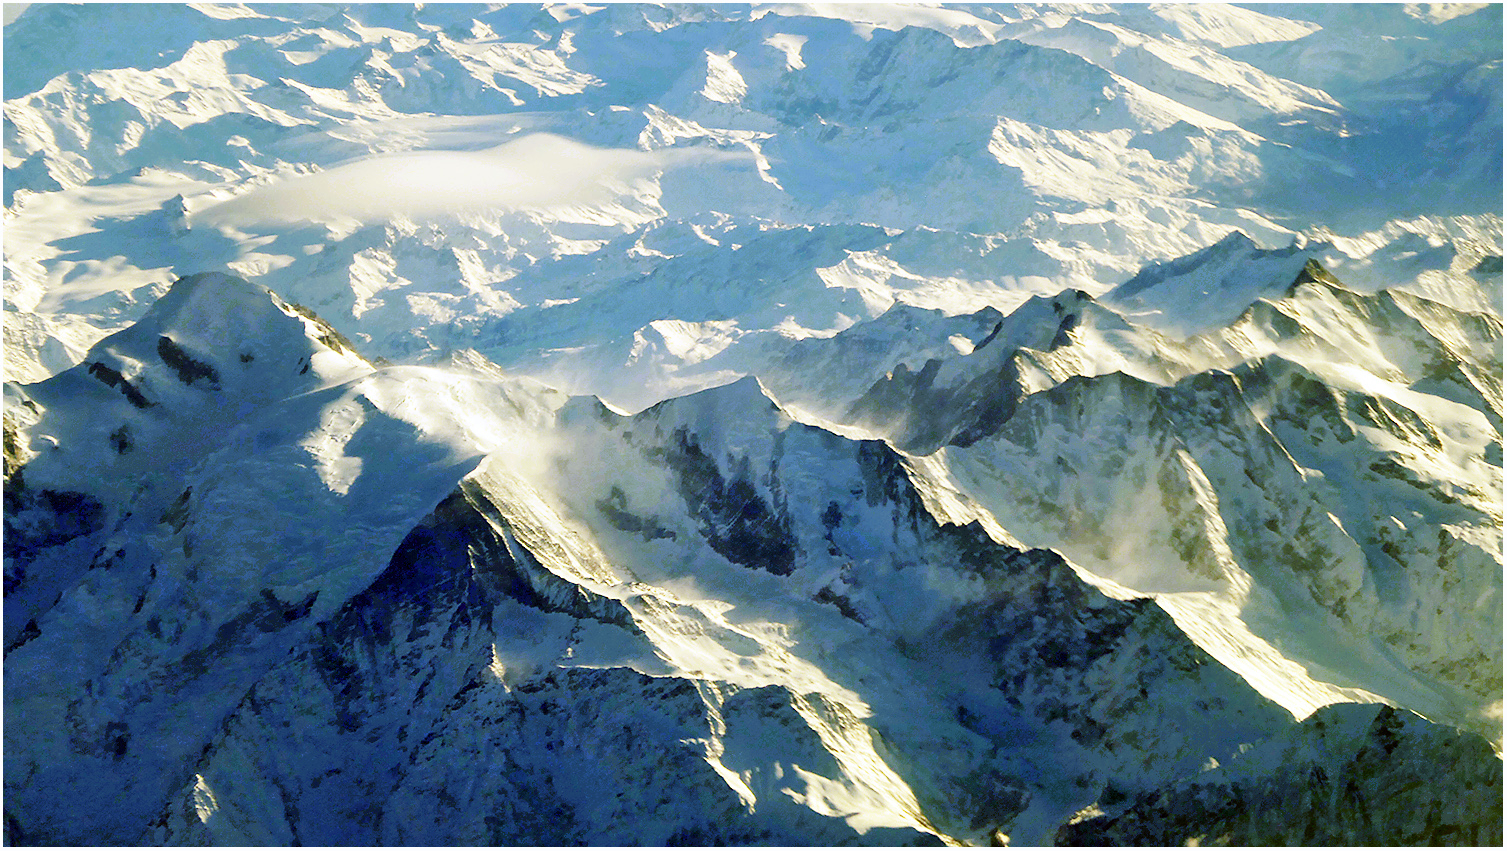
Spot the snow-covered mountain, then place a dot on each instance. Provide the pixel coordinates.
(793, 424)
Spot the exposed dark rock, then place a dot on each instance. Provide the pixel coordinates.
(832, 516)
(1490, 265)
(14, 835)
(120, 439)
(1313, 273)
(112, 378)
(27, 633)
(843, 604)
(184, 365)
(268, 614)
(615, 509)
(36, 520)
(1401, 781)
(326, 332)
(445, 554)
(920, 415)
(989, 338)
(464, 554)
(1063, 336)
(737, 522)
(118, 738)
(995, 796)
(15, 455)
(177, 514)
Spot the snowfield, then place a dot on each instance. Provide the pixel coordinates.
(796, 424)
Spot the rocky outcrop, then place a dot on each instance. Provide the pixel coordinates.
(1350, 775)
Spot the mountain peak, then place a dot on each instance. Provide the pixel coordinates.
(199, 297)
(1232, 244)
(216, 331)
(733, 413)
(1208, 288)
(1313, 272)
(739, 398)
(203, 358)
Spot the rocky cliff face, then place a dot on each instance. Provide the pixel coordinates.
(1348, 775)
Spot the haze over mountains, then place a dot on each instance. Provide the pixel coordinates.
(797, 424)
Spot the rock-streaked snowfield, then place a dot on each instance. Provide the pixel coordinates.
(782, 424)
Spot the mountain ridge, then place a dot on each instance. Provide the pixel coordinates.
(745, 520)
(753, 425)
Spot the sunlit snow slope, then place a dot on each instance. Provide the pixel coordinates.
(791, 424)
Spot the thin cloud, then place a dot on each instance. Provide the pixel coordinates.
(537, 171)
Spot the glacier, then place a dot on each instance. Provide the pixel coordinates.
(798, 424)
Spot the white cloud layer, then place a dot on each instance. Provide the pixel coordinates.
(536, 171)
(13, 11)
